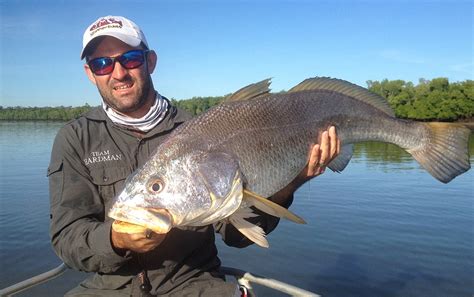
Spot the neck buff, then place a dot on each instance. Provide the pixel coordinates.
(155, 115)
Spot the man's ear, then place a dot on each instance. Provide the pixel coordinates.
(89, 73)
(152, 60)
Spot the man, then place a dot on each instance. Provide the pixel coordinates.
(93, 155)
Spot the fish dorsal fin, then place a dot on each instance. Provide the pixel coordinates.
(251, 91)
(346, 88)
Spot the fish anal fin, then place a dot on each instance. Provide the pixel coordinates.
(344, 157)
(251, 231)
(270, 207)
(251, 91)
(345, 88)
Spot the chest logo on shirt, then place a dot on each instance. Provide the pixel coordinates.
(102, 156)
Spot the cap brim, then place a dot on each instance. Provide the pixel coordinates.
(130, 40)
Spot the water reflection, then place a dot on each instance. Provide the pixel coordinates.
(380, 152)
(369, 233)
(389, 157)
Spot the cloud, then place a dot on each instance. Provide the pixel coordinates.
(399, 56)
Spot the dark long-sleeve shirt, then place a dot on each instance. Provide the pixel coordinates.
(90, 160)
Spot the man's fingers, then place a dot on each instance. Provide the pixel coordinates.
(324, 148)
(148, 233)
(333, 140)
(137, 242)
(323, 153)
(313, 160)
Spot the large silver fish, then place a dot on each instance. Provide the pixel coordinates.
(217, 165)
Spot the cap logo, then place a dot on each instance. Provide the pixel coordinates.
(105, 23)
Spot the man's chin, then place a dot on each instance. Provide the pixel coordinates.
(126, 106)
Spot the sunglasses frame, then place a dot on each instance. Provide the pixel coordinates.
(121, 59)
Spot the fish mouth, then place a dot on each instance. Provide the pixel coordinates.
(156, 219)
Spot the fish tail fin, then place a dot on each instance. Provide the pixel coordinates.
(444, 153)
(251, 231)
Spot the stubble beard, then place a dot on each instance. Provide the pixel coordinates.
(137, 103)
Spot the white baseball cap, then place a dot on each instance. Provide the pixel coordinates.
(115, 26)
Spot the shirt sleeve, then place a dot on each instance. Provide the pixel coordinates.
(232, 237)
(79, 235)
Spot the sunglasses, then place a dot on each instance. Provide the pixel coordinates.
(129, 60)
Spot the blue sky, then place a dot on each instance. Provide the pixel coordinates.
(212, 48)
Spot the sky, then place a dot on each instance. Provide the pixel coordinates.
(213, 48)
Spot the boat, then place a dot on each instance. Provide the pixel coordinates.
(244, 278)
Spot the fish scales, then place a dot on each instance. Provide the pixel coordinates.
(271, 137)
(256, 143)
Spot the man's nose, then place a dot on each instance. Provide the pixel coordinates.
(119, 71)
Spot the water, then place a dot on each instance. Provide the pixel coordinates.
(384, 227)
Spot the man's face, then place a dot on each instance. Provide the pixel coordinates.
(125, 90)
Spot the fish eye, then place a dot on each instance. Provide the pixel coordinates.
(155, 185)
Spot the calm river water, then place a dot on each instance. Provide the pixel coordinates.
(384, 227)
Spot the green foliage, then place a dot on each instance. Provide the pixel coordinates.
(196, 105)
(437, 99)
(60, 113)
(429, 100)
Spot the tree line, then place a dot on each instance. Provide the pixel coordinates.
(60, 113)
(435, 99)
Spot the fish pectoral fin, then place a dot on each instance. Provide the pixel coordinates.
(251, 231)
(270, 207)
(345, 155)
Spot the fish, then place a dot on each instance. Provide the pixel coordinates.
(220, 165)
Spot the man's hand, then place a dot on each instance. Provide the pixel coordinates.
(322, 153)
(137, 242)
